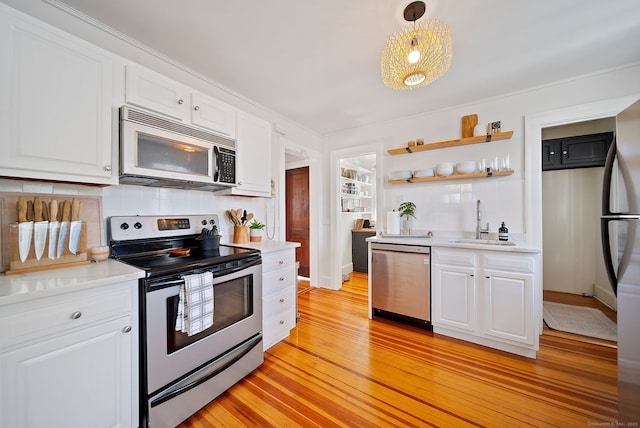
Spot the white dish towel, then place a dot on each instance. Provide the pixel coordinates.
(195, 308)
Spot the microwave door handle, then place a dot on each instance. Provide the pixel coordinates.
(216, 157)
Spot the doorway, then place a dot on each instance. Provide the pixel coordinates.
(357, 211)
(571, 208)
(297, 215)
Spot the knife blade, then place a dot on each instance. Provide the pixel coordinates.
(54, 227)
(40, 227)
(76, 226)
(25, 230)
(64, 227)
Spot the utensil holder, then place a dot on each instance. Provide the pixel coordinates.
(240, 234)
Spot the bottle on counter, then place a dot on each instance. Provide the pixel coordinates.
(503, 233)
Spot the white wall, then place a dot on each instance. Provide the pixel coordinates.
(446, 208)
(571, 225)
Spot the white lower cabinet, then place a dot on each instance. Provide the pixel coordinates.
(71, 360)
(454, 301)
(279, 288)
(487, 297)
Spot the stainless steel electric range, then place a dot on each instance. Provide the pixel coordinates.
(183, 369)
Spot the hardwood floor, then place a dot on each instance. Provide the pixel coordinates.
(338, 368)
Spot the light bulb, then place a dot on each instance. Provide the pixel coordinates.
(414, 56)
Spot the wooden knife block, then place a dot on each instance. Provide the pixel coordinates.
(31, 264)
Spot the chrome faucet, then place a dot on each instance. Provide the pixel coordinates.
(479, 229)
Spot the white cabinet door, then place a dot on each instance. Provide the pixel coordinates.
(454, 297)
(212, 114)
(253, 156)
(508, 306)
(156, 92)
(56, 104)
(80, 379)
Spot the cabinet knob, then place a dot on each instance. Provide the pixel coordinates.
(180, 101)
(127, 329)
(76, 315)
(281, 322)
(281, 262)
(552, 153)
(282, 278)
(488, 277)
(196, 108)
(281, 300)
(107, 167)
(564, 152)
(471, 275)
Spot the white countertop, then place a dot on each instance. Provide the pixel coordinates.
(520, 247)
(265, 246)
(33, 285)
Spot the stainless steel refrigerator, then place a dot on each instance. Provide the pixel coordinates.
(620, 228)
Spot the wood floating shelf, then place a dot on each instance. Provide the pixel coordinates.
(452, 143)
(454, 177)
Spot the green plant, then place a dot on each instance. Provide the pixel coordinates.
(407, 209)
(255, 224)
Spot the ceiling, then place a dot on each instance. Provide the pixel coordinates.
(318, 62)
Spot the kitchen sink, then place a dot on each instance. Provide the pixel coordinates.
(482, 242)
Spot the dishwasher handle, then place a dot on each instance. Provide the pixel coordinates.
(400, 248)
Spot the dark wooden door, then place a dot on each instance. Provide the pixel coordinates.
(297, 216)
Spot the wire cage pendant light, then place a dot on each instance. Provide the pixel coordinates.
(417, 54)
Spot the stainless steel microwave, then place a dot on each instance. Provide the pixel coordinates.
(155, 151)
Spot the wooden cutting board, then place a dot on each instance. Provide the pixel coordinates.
(468, 123)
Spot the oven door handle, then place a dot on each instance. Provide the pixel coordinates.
(203, 374)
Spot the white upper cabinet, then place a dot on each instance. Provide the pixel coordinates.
(56, 104)
(153, 91)
(253, 141)
(210, 113)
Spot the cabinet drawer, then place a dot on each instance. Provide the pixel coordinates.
(509, 262)
(278, 325)
(279, 302)
(454, 257)
(278, 260)
(60, 313)
(276, 280)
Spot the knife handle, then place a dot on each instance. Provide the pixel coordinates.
(53, 210)
(37, 209)
(22, 210)
(75, 210)
(29, 210)
(66, 210)
(45, 211)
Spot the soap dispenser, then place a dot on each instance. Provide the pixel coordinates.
(503, 233)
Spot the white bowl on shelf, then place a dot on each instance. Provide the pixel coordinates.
(400, 175)
(468, 167)
(419, 173)
(444, 169)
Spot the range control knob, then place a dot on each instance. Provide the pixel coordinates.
(204, 222)
(137, 225)
(212, 221)
(124, 226)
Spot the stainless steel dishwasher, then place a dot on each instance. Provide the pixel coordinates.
(401, 282)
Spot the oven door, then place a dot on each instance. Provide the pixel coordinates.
(172, 355)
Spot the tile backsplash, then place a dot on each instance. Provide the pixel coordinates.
(446, 208)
